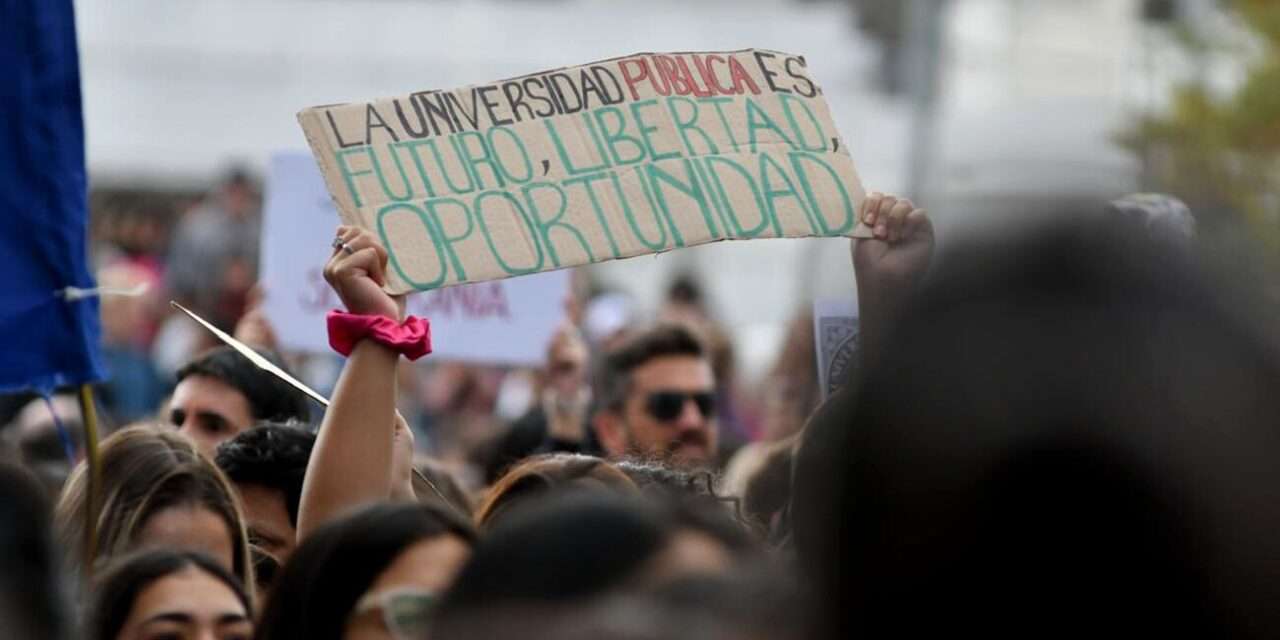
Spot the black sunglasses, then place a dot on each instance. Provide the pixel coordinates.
(666, 406)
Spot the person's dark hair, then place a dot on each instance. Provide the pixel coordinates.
(613, 377)
(327, 574)
(713, 518)
(762, 599)
(269, 455)
(559, 549)
(1072, 425)
(120, 584)
(31, 605)
(238, 175)
(755, 601)
(684, 289)
(270, 398)
(768, 490)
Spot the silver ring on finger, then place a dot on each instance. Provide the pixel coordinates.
(346, 248)
(337, 243)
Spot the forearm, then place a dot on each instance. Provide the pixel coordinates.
(878, 312)
(888, 267)
(355, 447)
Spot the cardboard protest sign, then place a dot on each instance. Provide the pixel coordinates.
(618, 158)
(506, 322)
(836, 336)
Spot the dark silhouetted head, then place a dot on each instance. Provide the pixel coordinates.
(1067, 432)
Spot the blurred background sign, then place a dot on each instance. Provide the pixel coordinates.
(835, 334)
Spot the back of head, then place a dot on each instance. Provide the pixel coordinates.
(1068, 425)
(622, 618)
(116, 590)
(575, 547)
(270, 455)
(555, 566)
(270, 398)
(540, 475)
(30, 594)
(327, 574)
(715, 519)
(146, 469)
(563, 548)
(755, 602)
(760, 599)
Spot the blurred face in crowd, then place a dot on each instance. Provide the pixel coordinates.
(187, 605)
(567, 369)
(398, 606)
(192, 527)
(209, 411)
(239, 198)
(267, 519)
(669, 413)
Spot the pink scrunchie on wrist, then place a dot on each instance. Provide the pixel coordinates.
(411, 338)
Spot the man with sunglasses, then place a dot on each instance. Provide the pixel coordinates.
(655, 398)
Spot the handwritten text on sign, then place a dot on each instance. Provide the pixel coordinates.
(506, 322)
(608, 160)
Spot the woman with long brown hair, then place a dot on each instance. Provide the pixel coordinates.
(157, 491)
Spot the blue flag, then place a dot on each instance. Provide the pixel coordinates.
(46, 340)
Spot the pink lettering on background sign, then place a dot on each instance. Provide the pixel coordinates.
(472, 302)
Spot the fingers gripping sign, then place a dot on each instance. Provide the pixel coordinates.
(888, 265)
(357, 272)
(902, 247)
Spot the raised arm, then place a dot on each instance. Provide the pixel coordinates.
(889, 266)
(355, 449)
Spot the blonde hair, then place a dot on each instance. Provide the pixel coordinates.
(146, 469)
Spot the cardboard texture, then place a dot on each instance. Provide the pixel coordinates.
(618, 158)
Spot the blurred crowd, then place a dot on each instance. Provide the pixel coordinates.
(1059, 429)
(202, 252)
